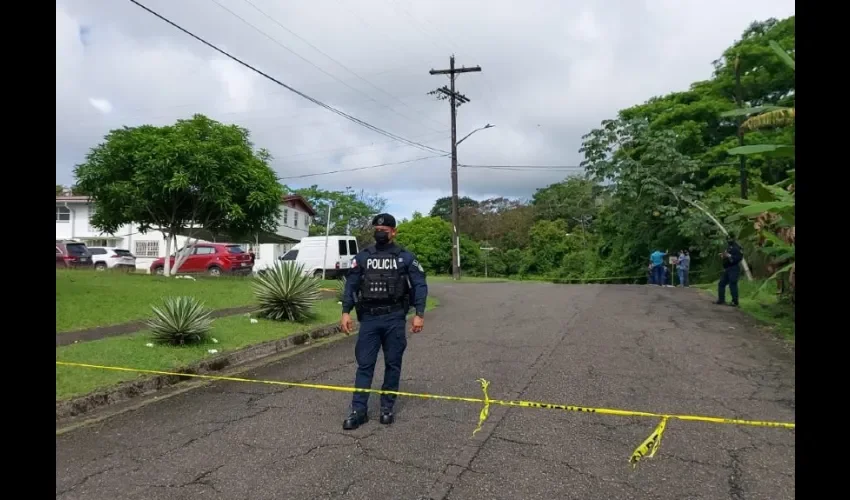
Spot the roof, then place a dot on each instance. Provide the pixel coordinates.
(299, 199)
(76, 199)
(290, 198)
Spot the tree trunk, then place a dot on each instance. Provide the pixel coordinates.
(182, 255)
(167, 263)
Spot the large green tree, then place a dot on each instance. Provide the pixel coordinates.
(443, 206)
(197, 173)
(574, 200)
(430, 239)
(351, 211)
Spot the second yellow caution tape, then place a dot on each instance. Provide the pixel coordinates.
(646, 449)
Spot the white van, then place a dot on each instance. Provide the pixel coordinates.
(311, 250)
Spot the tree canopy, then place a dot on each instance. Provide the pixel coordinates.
(195, 173)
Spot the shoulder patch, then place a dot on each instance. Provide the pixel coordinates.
(416, 264)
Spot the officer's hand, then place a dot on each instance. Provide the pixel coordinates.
(346, 323)
(418, 324)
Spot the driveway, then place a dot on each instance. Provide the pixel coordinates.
(644, 348)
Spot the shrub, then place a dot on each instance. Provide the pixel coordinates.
(340, 289)
(285, 293)
(180, 321)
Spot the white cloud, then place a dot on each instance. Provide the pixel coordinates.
(102, 105)
(551, 71)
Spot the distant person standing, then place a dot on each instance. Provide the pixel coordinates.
(684, 268)
(656, 259)
(732, 258)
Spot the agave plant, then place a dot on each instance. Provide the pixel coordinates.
(285, 292)
(340, 289)
(180, 321)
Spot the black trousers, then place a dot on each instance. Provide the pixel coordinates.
(730, 277)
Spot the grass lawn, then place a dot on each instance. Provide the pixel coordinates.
(131, 351)
(87, 299)
(765, 306)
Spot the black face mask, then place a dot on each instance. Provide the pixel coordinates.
(382, 237)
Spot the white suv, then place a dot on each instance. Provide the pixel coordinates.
(112, 258)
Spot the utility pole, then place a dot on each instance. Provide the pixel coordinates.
(454, 97)
(739, 101)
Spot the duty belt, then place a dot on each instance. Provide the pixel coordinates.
(379, 310)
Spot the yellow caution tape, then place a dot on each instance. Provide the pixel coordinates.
(650, 444)
(646, 449)
(485, 412)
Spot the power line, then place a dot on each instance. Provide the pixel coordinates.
(527, 167)
(363, 168)
(343, 66)
(311, 63)
(293, 90)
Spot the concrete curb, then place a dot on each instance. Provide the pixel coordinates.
(124, 391)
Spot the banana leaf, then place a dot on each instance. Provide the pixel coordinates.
(782, 150)
(769, 206)
(786, 58)
(749, 111)
(784, 269)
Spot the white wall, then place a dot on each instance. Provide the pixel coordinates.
(146, 247)
(151, 245)
(286, 223)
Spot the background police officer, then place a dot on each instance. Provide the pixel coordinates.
(732, 258)
(383, 282)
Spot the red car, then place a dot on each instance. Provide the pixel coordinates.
(214, 259)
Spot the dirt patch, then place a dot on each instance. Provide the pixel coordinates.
(124, 391)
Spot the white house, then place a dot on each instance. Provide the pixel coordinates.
(73, 215)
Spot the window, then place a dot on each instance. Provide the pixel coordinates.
(343, 248)
(291, 255)
(63, 214)
(76, 249)
(306, 221)
(97, 251)
(295, 219)
(122, 253)
(235, 249)
(285, 216)
(147, 248)
(103, 243)
(352, 247)
(204, 250)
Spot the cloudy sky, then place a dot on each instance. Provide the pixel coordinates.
(551, 71)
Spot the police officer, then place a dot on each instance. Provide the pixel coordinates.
(383, 282)
(732, 258)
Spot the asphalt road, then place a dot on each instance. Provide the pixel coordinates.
(635, 347)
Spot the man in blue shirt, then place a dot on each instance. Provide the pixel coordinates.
(656, 258)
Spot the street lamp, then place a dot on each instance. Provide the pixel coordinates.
(476, 130)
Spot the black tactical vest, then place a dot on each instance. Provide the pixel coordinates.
(384, 279)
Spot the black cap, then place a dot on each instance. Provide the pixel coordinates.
(384, 220)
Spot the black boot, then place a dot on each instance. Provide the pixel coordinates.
(355, 419)
(387, 416)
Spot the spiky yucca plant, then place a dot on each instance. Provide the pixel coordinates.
(340, 289)
(180, 321)
(286, 293)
